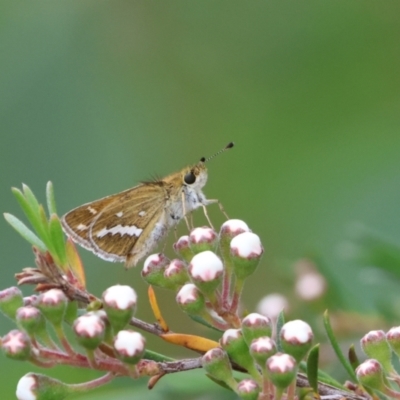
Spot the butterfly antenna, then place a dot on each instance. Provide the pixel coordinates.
(227, 147)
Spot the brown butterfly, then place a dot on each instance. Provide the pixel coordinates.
(126, 226)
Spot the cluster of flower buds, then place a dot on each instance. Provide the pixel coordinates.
(251, 348)
(377, 372)
(210, 272)
(109, 345)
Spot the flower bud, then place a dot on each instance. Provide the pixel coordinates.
(190, 299)
(216, 363)
(30, 319)
(89, 330)
(393, 338)
(310, 284)
(202, 239)
(281, 369)
(129, 346)
(228, 231)
(272, 305)
(246, 252)
(10, 300)
(40, 387)
(176, 272)
(31, 300)
(248, 389)
(261, 349)
(254, 326)
(206, 271)
(182, 248)
(370, 375)
(375, 345)
(233, 343)
(153, 271)
(296, 338)
(16, 345)
(53, 304)
(119, 303)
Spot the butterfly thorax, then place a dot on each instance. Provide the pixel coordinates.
(185, 194)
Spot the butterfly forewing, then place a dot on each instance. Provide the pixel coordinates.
(111, 227)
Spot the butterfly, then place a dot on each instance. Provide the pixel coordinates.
(126, 226)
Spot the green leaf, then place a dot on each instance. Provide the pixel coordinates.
(51, 202)
(31, 208)
(279, 323)
(57, 239)
(152, 355)
(354, 361)
(335, 345)
(30, 197)
(312, 367)
(24, 231)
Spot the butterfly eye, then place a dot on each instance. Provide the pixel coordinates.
(189, 178)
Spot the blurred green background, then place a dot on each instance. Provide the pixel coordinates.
(96, 96)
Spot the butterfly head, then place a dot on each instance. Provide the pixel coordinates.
(195, 176)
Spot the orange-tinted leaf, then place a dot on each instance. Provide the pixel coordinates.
(75, 263)
(196, 343)
(156, 310)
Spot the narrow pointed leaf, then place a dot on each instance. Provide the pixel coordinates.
(51, 202)
(30, 197)
(193, 342)
(279, 323)
(75, 263)
(32, 211)
(312, 367)
(335, 345)
(57, 239)
(24, 231)
(152, 355)
(354, 361)
(156, 310)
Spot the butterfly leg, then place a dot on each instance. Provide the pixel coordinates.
(219, 205)
(184, 212)
(206, 214)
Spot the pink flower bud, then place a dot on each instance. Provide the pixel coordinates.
(16, 345)
(89, 330)
(129, 346)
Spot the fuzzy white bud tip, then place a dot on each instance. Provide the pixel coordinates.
(393, 333)
(53, 296)
(25, 388)
(204, 234)
(368, 367)
(129, 343)
(152, 259)
(281, 363)
(235, 225)
(247, 245)
(206, 266)
(262, 344)
(15, 341)
(187, 294)
(297, 331)
(89, 325)
(120, 296)
(230, 334)
(255, 319)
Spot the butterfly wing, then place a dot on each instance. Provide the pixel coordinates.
(112, 226)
